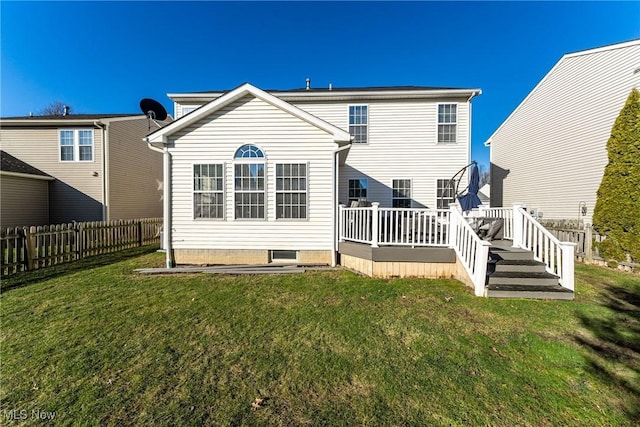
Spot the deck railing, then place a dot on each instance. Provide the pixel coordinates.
(472, 251)
(557, 256)
(394, 226)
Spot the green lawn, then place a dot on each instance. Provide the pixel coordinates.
(99, 344)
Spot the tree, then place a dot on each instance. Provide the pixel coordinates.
(485, 175)
(617, 210)
(56, 108)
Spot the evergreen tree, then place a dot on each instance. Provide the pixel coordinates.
(617, 210)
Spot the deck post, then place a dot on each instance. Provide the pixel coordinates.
(480, 268)
(374, 224)
(518, 224)
(567, 268)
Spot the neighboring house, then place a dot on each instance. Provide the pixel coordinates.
(24, 193)
(96, 166)
(484, 194)
(550, 153)
(256, 176)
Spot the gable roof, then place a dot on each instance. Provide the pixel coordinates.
(68, 120)
(15, 166)
(622, 45)
(339, 135)
(344, 93)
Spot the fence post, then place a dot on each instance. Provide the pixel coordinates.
(374, 224)
(140, 237)
(79, 240)
(518, 224)
(588, 242)
(30, 246)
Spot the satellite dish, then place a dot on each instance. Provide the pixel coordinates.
(153, 109)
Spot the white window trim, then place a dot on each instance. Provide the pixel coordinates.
(224, 192)
(76, 145)
(275, 191)
(403, 198)
(367, 125)
(455, 123)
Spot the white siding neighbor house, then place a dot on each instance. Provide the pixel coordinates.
(256, 176)
(550, 153)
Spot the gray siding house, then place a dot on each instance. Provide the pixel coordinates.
(550, 153)
(98, 169)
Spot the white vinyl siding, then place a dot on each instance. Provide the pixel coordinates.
(76, 145)
(551, 152)
(402, 141)
(208, 191)
(284, 139)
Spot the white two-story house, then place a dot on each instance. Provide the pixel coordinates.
(253, 176)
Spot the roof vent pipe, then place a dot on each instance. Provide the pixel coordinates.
(308, 83)
(65, 110)
(330, 86)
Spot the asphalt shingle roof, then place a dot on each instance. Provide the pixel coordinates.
(8, 163)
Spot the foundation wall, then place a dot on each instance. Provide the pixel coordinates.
(243, 256)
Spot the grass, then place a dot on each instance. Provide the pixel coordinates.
(98, 344)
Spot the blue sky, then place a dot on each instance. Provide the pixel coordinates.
(103, 57)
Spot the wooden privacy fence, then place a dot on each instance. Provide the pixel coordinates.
(32, 248)
(584, 236)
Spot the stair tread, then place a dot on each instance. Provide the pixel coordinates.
(524, 274)
(528, 288)
(519, 262)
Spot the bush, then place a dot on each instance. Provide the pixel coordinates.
(617, 210)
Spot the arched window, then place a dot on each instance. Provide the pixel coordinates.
(249, 183)
(249, 151)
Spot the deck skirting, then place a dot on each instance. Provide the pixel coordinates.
(389, 262)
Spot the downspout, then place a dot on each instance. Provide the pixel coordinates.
(105, 180)
(166, 200)
(334, 200)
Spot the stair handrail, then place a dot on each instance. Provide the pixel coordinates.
(557, 256)
(471, 250)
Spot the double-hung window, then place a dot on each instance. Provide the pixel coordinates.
(401, 196)
(291, 190)
(359, 123)
(208, 191)
(249, 183)
(76, 145)
(357, 190)
(447, 122)
(446, 193)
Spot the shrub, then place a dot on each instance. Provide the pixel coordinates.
(617, 210)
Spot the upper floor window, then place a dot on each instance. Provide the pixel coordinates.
(447, 122)
(358, 123)
(401, 197)
(291, 190)
(76, 145)
(187, 110)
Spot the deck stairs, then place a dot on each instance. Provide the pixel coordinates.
(514, 273)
